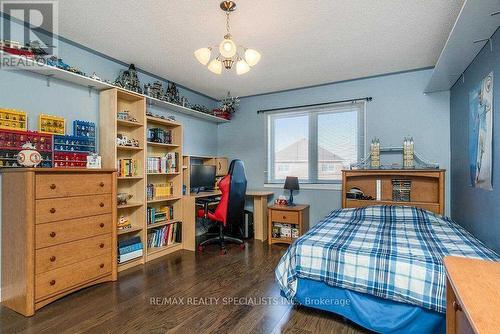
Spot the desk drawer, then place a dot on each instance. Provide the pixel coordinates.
(64, 278)
(66, 185)
(285, 216)
(49, 210)
(51, 234)
(54, 257)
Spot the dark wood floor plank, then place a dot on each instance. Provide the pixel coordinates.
(125, 306)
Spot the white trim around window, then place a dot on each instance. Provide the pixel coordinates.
(300, 140)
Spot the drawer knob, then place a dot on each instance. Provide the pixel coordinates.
(101, 224)
(101, 184)
(52, 186)
(102, 265)
(284, 217)
(52, 210)
(53, 282)
(52, 234)
(101, 245)
(101, 204)
(456, 306)
(52, 258)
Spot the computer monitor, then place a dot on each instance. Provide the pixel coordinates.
(202, 177)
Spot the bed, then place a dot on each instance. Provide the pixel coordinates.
(379, 266)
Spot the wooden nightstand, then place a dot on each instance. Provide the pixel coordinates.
(472, 295)
(297, 217)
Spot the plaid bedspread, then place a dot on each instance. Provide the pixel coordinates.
(393, 252)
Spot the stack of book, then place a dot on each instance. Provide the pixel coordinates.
(162, 164)
(161, 190)
(161, 214)
(127, 167)
(129, 249)
(164, 236)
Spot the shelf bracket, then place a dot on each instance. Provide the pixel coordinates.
(49, 76)
(90, 90)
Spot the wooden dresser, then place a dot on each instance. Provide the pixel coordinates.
(472, 296)
(58, 234)
(427, 187)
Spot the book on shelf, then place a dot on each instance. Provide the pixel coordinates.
(161, 214)
(162, 164)
(127, 167)
(164, 236)
(159, 190)
(130, 256)
(129, 249)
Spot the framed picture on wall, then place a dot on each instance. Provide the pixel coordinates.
(481, 133)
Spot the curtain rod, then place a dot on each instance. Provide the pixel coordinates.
(368, 99)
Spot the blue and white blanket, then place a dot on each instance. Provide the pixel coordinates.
(393, 252)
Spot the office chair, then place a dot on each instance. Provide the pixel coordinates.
(230, 210)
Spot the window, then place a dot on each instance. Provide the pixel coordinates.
(314, 143)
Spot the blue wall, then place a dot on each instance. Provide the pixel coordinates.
(477, 210)
(399, 108)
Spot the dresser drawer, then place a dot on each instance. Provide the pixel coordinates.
(49, 210)
(66, 185)
(285, 216)
(54, 257)
(61, 279)
(50, 234)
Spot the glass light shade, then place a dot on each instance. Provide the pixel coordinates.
(242, 67)
(215, 66)
(203, 55)
(252, 57)
(227, 48)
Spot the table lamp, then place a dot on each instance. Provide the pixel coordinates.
(291, 183)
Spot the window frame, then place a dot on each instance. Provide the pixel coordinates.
(313, 113)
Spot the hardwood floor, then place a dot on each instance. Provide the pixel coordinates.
(139, 302)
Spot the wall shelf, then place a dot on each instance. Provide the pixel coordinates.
(51, 72)
(161, 144)
(163, 223)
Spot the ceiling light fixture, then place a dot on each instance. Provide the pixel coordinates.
(228, 51)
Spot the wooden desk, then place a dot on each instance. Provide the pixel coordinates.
(189, 215)
(259, 212)
(472, 295)
(202, 194)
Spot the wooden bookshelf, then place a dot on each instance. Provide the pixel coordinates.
(154, 149)
(111, 102)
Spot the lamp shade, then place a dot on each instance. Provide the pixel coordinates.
(291, 183)
(227, 48)
(242, 67)
(203, 55)
(252, 57)
(215, 66)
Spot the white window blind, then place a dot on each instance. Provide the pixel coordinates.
(314, 143)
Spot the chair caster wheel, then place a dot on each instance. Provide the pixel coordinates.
(200, 248)
(242, 246)
(223, 252)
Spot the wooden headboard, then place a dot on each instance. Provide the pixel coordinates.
(427, 187)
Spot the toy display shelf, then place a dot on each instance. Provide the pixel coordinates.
(57, 73)
(51, 124)
(84, 129)
(11, 142)
(74, 144)
(13, 119)
(70, 160)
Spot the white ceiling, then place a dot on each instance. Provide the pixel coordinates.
(303, 43)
